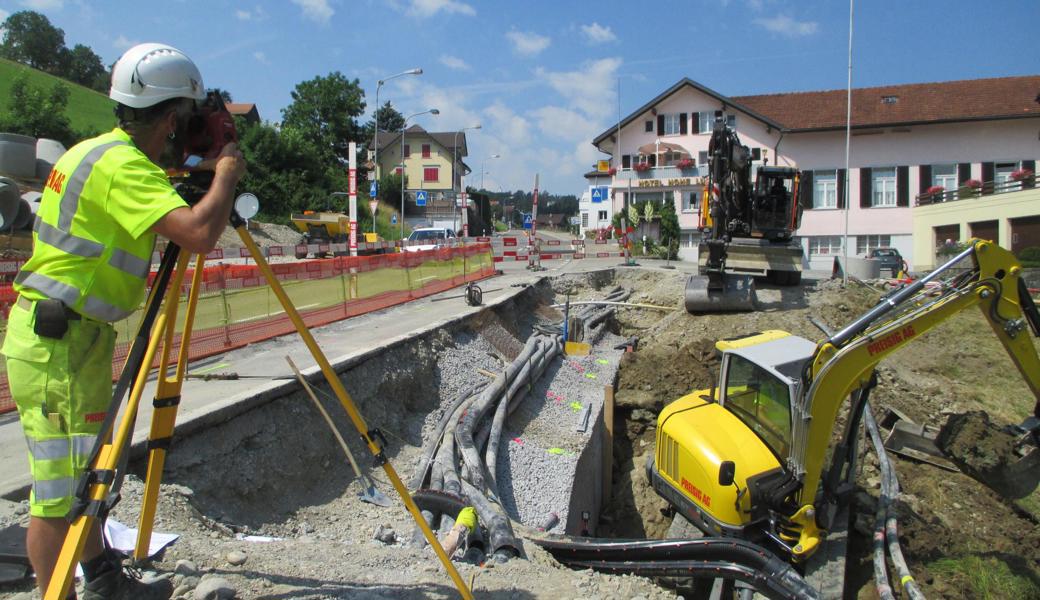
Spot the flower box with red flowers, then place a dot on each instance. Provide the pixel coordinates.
(1021, 174)
(973, 183)
(641, 167)
(686, 163)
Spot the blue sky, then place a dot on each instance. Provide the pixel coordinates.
(542, 77)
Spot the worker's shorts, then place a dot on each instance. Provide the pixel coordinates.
(62, 389)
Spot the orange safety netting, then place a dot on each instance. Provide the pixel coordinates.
(236, 307)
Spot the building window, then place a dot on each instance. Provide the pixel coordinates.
(648, 126)
(825, 244)
(584, 219)
(689, 201)
(431, 174)
(426, 151)
(705, 121)
(731, 121)
(602, 215)
(825, 189)
(407, 150)
(670, 158)
(689, 240)
(671, 124)
(884, 187)
(945, 176)
(1002, 175)
(702, 157)
(866, 243)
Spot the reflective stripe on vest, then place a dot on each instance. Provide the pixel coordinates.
(57, 290)
(70, 201)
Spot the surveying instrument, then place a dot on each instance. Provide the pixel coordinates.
(97, 490)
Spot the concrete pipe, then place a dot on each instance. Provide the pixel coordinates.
(23, 219)
(47, 153)
(17, 155)
(9, 201)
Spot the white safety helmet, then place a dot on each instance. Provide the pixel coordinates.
(147, 74)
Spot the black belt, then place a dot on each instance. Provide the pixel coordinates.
(29, 305)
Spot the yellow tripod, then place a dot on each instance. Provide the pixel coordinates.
(97, 482)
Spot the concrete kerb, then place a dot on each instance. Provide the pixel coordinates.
(234, 401)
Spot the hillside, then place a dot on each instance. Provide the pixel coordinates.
(86, 110)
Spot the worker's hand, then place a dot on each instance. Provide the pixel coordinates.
(230, 162)
(467, 517)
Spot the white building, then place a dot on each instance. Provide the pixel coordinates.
(595, 207)
(905, 140)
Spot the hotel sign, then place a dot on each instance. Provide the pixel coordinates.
(676, 182)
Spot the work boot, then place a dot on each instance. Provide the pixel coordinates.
(119, 583)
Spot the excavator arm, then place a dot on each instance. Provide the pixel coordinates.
(844, 364)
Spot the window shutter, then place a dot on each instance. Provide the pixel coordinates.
(865, 187)
(805, 189)
(1031, 166)
(924, 174)
(626, 161)
(695, 122)
(987, 172)
(903, 186)
(841, 188)
(963, 173)
(660, 125)
(682, 124)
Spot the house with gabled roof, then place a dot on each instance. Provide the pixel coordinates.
(906, 142)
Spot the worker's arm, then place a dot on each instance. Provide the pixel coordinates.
(196, 229)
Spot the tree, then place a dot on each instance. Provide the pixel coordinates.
(670, 230)
(34, 111)
(389, 120)
(224, 94)
(324, 111)
(29, 38)
(82, 66)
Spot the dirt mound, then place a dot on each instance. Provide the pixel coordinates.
(660, 374)
(264, 234)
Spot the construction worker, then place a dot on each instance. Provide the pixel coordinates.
(95, 232)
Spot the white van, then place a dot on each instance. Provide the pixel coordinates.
(428, 238)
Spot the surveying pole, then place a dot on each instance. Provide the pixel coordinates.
(534, 256)
(352, 186)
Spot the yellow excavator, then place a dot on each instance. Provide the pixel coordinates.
(753, 457)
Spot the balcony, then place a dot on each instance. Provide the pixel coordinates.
(669, 172)
(967, 192)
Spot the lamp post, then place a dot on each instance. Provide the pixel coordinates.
(483, 164)
(432, 111)
(454, 165)
(375, 119)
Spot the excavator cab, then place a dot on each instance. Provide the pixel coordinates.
(776, 213)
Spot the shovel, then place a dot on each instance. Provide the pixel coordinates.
(370, 494)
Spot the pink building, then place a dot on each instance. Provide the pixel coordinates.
(905, 140)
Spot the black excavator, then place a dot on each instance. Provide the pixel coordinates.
(747, 227)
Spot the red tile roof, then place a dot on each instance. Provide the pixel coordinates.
(966, 100)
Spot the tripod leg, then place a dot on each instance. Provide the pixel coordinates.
(167, 399)
(103, 470)
(334, 382)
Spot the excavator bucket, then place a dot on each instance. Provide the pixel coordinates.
(737, 294)
(1006, 460)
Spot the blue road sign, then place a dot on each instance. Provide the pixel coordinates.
(373, 190)
(599, 194)
(527, 221)
(393, 219)
(420, 198)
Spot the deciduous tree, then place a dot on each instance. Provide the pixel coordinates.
(29, 38)
(37, 112)
(325, 111)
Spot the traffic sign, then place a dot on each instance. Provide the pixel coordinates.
(372, 206)
(420, 198)
(527, 221)
(393, 219)
(599, 194)
(373, 190)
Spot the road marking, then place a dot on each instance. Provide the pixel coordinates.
(210, 368)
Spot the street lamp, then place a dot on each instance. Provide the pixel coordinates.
(454, 165)
(432, 111)
(482, 165)
(375, 118)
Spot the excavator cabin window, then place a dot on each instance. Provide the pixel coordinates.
(761, 401)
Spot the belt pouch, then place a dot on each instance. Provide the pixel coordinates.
(51, 320)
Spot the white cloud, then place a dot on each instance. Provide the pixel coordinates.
(3, 15)
(316, 10)
(43, 4)
(528, 43)
(243, 15)
(122, 43)
(454, 62)
(508, 125)
(429, 8)
(261, 58)
(598, 34)
(590, 89)
(786, 26)
(567, 124)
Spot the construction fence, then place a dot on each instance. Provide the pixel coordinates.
(236, 307)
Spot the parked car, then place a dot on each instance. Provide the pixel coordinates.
(889, 258)
(428, 238)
